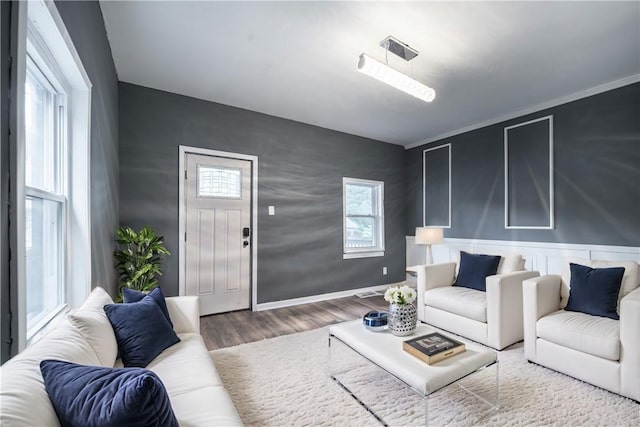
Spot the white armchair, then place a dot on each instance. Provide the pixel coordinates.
(599, 350)
(492, 318)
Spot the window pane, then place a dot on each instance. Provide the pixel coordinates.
(360, 232)
(43, 258)
(219, 182)
(40, 143)
(359, 200)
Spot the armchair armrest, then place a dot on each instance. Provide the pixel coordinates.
(504, 308)
(433, 276)
(540, 296)
(630, 344)
(184, 313)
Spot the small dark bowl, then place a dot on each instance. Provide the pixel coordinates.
(375, 320)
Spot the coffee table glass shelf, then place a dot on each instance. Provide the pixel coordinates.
(385, 351)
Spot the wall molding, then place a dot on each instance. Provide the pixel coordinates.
(529, 110)
(322, 297)
(507, 224)
(545, 257)
(424, 186)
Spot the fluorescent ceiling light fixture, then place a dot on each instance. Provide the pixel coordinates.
(376, 69)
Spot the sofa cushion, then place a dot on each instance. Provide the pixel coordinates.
(131, 295)
(141, 330)
(598, 336)
(87, 396)
(208, 406)
(186, 366)
(630, 279)
(95, 327)
(595, 290)
(474, 270)
(465, 302)
(24, 399)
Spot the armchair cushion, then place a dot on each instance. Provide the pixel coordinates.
(598, 336)
(595, 290)
(474, 270)
(464, 302)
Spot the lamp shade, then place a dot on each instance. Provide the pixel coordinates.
(428, 236)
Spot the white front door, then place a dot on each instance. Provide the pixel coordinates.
(218, 233)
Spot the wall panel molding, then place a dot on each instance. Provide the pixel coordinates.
(432, 215)
(526, 147)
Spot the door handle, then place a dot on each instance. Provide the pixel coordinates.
(245, 243)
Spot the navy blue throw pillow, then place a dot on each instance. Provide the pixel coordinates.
(131, 295)
(595, 290)
(93, 396)
(474, 270)
(141, 330)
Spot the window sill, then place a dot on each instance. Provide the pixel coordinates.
(352, 255)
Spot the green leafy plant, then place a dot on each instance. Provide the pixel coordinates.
(138, 258)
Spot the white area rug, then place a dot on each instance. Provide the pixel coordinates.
(284, 382)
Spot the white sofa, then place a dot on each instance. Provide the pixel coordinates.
(492, 318)
(599, 350)
(196, 392)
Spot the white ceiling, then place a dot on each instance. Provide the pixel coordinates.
(297, 60)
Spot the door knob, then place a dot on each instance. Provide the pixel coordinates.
(245, 243)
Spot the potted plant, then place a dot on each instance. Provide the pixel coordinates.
(138, 258)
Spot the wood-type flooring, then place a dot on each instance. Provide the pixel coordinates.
(239, 327)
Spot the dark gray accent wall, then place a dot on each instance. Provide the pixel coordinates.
(597, 175)
(5, 296)
(85, 24)
(300, 172)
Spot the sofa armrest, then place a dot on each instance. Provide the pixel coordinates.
(432, 276)
(630, 344)
(504, 308)
(540, 296)
(184, 313)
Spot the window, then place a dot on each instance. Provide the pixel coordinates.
(363, 218)
(219, 182)
(53, 259)
(45, 198)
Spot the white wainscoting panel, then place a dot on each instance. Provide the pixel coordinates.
(546, 258)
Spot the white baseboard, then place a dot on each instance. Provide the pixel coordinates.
(321, 297)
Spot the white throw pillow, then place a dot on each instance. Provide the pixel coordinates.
(92, 322)
(511, 263)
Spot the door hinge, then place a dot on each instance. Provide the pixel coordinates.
(185, 174)
(185, 237)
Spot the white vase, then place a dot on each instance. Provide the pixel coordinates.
(402, 319)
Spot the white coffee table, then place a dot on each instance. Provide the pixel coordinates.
(385, 350)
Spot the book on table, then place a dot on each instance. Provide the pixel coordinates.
(433, 347)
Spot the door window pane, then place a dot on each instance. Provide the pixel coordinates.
(43, 234)
(219, 182)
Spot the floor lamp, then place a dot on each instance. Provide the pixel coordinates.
(428, 236)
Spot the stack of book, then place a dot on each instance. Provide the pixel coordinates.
(432, 348)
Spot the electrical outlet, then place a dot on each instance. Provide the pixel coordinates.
(384, 271)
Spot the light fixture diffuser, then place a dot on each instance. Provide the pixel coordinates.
(376, 69)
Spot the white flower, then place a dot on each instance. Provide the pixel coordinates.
(400, 295)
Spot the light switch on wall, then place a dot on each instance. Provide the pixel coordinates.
(272, 210)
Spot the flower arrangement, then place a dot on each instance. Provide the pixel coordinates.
(402, 295)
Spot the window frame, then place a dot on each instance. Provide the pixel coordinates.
(43, 40)
(378, 208)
